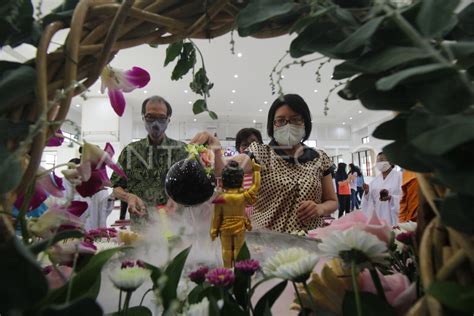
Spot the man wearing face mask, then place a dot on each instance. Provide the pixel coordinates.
(296, 190)
(146, 162)
(383, 194)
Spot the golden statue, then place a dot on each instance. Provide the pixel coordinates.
(230, 221)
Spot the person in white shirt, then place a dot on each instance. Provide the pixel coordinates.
(384, 193)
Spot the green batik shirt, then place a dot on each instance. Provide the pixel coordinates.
(146, 166)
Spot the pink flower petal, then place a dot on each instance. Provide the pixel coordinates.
(84, 170)
(77, 208)
(55, 280)
(117, 100)
(55, 141)
(52, 184)
(137, 76)
(92, 186)
(39, 196)
(109, 149)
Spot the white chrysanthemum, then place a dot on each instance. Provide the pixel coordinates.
(354, 244)
(293, 264)
(129, 279)
(199, 309)
(407, 226)
(105, 245)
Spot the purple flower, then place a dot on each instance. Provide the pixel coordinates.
(55, 141)
(141, 264)
(118, 81)
(249, 266)
(199, 276)
(405, 238)
(46, 184)
(221, 277)
(127, 264)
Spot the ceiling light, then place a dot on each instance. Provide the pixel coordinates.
(315, 90)
(195, 120)
(231, 102)
(236, 76)
(254, 121)
(78, 105)
(190, 102)
(360, 111)
(282, 77)
(144, 91)
(185, 91)
(343, 123)
(239, 55)
(98, 91)
(350, 118)
(260, 110)
(265, 102)
(233, 91)
(312, 121)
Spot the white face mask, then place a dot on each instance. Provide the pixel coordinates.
(382, 166)
(289, 135)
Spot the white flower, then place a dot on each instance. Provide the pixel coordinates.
(293, 264)
(354, 244)
(407, 226)
(103, 245)
(199, 309)
(129, 279)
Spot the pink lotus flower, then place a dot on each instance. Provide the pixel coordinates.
(249, 266)
(92, 169)
(221, 277)
(199, 276)
(55, 280)
(358, 220)
(397, 288)
(57, 215)
(64, 252)
(54, 140)
(118, 81)
(46, 184)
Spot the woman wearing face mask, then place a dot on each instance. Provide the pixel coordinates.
(296, 188)
(383, 194)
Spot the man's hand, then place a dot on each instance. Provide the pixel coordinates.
(136, 205)
(308, 210)
(212, 142)
(366, 188)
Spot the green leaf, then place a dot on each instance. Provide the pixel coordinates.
(84, 306)
(173, 51)
(40, 246)
(418, 72)
(301, 24)
(63, 13)
(463, 52)
(11, 130)
(134, 311)
(376, 62)
(200, 83)
(397, 99)
(213, 115)
(10, 171)
(12, 76)
(406, 156)
(155, 275)
(453, 295)
(186, 61)
(261, 10)
(454, 132)
(173, 272)
(85, 280)
(244, 253)
(197, 293)
(446, 94)
(392, 129)
(359, 38)
(23, 283)
(247, 31)
(456, 212)
(357, 86)
(270, 298)
(16, 22)
(436, 17)
(372, 305)
(459, 178)
(199, 106)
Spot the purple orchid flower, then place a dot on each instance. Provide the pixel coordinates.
(118, 81)
(55, 141)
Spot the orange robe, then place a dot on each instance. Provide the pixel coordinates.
(409, 201)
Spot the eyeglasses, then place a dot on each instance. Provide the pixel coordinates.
(160, 119)
(282, 122)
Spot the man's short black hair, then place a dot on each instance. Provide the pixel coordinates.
(297, 104)
(245, 133)
(157, 99)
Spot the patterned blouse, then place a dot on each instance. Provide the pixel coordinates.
(286, 183)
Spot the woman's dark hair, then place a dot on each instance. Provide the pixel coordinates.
(245, 133)
(157, 99)
(353, 168)
(297, 104)
(341, 171)
(232, 175)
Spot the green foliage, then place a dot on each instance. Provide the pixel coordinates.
(453, 295)
(134, 311)
(372, 305)
(436, 17)
(23, 282)
(173, 51)
(267, 300)
(63, 13)
(258, 11)
(10, 170)
(84, 306)
(12, 76)
(200, 83)
(186, 61)
(199, 106)
(13, 130)
(173, 273)
(17, 24)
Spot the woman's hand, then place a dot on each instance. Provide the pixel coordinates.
(135, 205)
(207, 138)
(308, 210)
